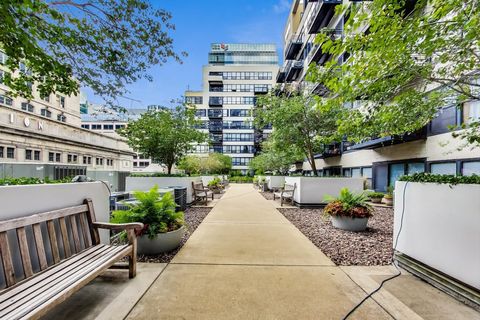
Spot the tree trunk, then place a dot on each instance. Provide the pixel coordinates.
(313, 165)
(169, 168)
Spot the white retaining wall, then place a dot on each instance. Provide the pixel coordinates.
(146, 183)
(441, 227)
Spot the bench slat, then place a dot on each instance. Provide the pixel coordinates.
(66, 242)
(10, 296)
(53, 294)
(91, 218)
(42, 257)
(53, 241)
(23, 245)
(40, 217)
(7, 260)
(76, 239)
(85, 229)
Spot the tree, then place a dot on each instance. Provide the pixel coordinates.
(271, 159)
(164, 135)
(102, 44)
(414, 58)
(215, 163)
(303, 125)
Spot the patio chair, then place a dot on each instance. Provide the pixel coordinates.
(201, 193)
(286, 193)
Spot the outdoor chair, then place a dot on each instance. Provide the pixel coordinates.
(201, 193)
(286, 194)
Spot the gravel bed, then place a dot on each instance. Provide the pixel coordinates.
(267, 195)
(193, 217)
(369, 248)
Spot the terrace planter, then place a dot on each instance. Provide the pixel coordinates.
(275, 182)
(146, 183)
(311, 191)
(349, 223)
(163, 242)
(376, 200)
(388, 201)
(440, 227)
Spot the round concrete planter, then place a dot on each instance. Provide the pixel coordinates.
(376, 200)
(349, 223)
(388, 201)
(163, 242)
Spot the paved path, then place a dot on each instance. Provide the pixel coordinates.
(246, 261)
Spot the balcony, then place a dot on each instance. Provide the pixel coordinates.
(215, 101)
(294, 44)
(216, 138)
(321, 15)
(293, 70)
(281, 76)
(260, 89)
(215, 113)
(215, 126)
(390, 140)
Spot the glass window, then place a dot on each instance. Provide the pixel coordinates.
(415, 167)
(85, 126)
(27, 107)
(58, 157)
(108, 127)
(6, 100)
(36, 155)
(1, 152)
(356, 173)
(444, 168)
(46, 113)
(51, 157)
(396, 171)
(28, 154)
(347, 172)
(10, 153)
(471, 167)
(471, 111)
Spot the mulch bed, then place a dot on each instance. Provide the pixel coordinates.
(369, 248)
(193, 217)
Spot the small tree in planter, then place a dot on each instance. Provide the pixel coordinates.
(348, 211)
(388, 197)
(376, 197)
(163, 227)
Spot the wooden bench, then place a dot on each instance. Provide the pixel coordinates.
(200, 192)
(47, 257)
(286, 193)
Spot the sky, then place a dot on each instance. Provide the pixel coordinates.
(199, 23)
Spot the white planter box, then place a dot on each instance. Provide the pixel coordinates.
(312, 190)
(441, 227)
(275, 182)
(147, 183)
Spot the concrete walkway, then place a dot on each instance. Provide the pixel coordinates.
(246, 261)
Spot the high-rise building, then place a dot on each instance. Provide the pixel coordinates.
(235, 75)
(381, 161)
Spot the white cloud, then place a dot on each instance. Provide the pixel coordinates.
(281, 6)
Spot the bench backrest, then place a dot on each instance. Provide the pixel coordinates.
(40, 240)
(290, 188)
(197, 186)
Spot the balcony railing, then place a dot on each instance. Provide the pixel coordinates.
(322, 13)
(215, 101)
(294, 44)
(215, 113)
(293, 70)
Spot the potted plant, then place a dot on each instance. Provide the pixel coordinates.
(388, 197)
(376, 197)
(215, 185)
(163, 227)
(263, 184)
(348, 211)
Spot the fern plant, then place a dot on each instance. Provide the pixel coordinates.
(156, 213)
(348, 204)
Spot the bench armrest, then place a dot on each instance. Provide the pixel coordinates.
(117, 226)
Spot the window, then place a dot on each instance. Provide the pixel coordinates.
(96, 127)
(108, 127)
(51, 156)
(194, 100)
(85, 126)
(2, 76)
(119, 126)
(238, 149)
(28, 154)
(241, 161)
(238, 137)
(10, 153)
(6, 100)
(72, 158)
(444, 168)
(99, 161)
(201, 112)
(1, 151)
(36, 155)
(471, 111)
(62, 101)
(347, 172)
(45, 98)
(62, 118)
(471, 167)
(58, 157)
(397, 170)
(27, 107)
(3, 57)
(46, 113)
(240, 113)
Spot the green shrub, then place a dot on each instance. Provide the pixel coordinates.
(215, 183)
(30, 180)
(375, 194)
(156, 213)
(348, 204)
(441, 178)
(156, 174)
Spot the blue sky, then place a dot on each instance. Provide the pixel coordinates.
(199, 23)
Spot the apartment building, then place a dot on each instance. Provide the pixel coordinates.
(380, 161)
(235, 75)
(100, 119)
(43, 137)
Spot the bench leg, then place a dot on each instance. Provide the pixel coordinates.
(132, 259)
(281, 201)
